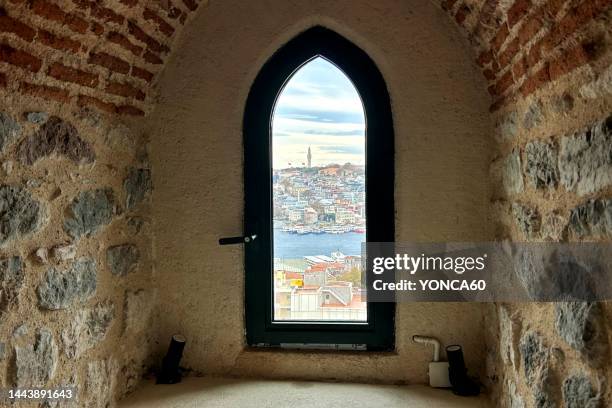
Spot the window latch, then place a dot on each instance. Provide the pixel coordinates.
(237, 240)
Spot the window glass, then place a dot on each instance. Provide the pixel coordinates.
(319, 207)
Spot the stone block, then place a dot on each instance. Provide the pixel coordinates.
(578, 392)
(554, 227)
(87, 328)
(11, 282)
(533, 116)
(534, 357)
(37, 117)
(9, 130)
(527, 219)
(122, 259)
(90, 210)
(100, 383)
(509, 332)
(581, 325)
(138, 309)
(55, 137)
(512, 176)
(59, 290)
(137, 185)
(585, 159)
(592, 219)
(20, 214)
(507, 127)
(541, 165)
(35, 364)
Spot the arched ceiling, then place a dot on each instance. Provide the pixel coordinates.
(106, 54)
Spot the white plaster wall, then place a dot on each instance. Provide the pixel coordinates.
(443, 134)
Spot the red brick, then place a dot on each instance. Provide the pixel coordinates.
(560, 31)
(191, 4)
(142, 74)
(123, 41)
(129, 110)
(115, 64)
(552, 7)
(502, 84)
(59, 43)
(76, 76)
(462, 13)
(11, 25)
(500, 38)
(489, 74)
(141, 36)
(46, 92)
(89, 101)
(484, 58)
(568, 61)
(106, 14)
(163, 26)
(126, 90)
(97, 28)
(509, 52)
(2, 80)
(448, 4)
(152, 58)
(19, 58)
(173, 12)
(574, 19)
(533, 57)
(517, 11)
(82, 4)
(53, 12)
(530, 28)
(519, 69)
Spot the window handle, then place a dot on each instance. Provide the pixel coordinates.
(237, 240)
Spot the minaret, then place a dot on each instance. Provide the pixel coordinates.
(309, 157)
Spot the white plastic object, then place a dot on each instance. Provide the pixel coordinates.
(429, 340)
(438, 374)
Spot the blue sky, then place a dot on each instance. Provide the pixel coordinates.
(318, 107)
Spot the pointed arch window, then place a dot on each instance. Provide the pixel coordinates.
(318, 141)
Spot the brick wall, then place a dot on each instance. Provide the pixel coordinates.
(86, 53)
(523, 46)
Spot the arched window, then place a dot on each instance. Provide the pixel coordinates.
(318, 140)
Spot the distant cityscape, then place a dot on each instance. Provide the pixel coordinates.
(309, 203)
(328, 199)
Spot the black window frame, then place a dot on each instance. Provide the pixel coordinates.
(378, 333)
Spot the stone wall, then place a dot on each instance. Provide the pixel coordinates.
(77, 285)
(548, 64)
(554, 172)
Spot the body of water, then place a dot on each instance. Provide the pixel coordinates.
(288, 245)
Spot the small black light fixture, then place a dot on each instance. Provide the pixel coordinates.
(170, 373)
(457, 373)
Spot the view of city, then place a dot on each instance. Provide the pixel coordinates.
(318, 144)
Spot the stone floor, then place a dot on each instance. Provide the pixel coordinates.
(233, 393)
